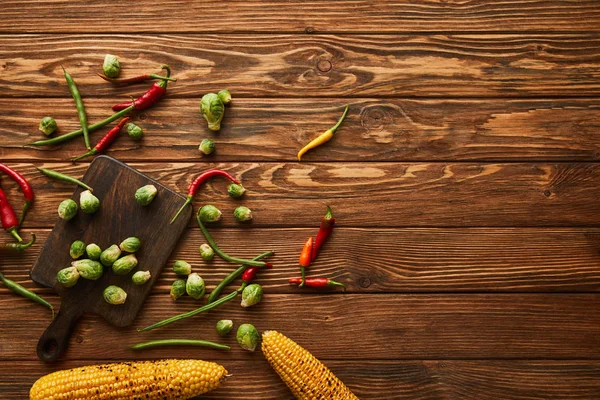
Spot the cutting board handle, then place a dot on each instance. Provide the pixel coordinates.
(53, 343)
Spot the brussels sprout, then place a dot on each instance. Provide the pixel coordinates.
(206, 252)
(247, 337)
(130, 245)
(88, 202)
(110, 255)
(252, 295)
(47, 126)
(242, 214)
(93, 251)
(67, 209)
(182, 268)
(67, 277)
(209, 213)
(177, 289)
(236, 191)
(114, 295)
(225, 96)
(224, 326)
(134, 131)
(140, 277)
(195, 286)
(145, 194)
(88, 269)
(212, 109)
(124, 265)
(207, 146)
(111, 66)
(77, 249)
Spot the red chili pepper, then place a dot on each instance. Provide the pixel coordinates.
(106, 140)
(305, 258)
(249, 274)
(25, 187)
(196, 183)
(135, 79)
(156, 92)
(10, 223)
(325, 230)
(316, 282)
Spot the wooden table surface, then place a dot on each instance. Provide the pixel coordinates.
(465, 182)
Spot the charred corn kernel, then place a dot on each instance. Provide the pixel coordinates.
(163, 379)
(306, 376)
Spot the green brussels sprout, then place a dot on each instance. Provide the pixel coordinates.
(195, 286)
(110, 255)
(93, 251)
(134, 131)
(224, 326)
(209, 213)
(88, 202)
(225, 96)
(212, 109)
(88, 269)
(130, 245)
(177, 289)
(77, 249)
(252, 295)
(67, 209)
(182, 268)
(248, 337)
(67, 277)
(206, 252)
(145, 194)
(124, 265)
(111, 66)
(47, 126)
(140, 277)
(207, 146)
(242, 214)
(236, 191)
(114, 295)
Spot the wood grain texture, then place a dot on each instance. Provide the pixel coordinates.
(311, 66)
(390, 327)
(377, 379)
(369, 195)
(375, 130)
(394, 260)
(305, 17)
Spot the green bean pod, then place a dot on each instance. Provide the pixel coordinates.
(179, 342)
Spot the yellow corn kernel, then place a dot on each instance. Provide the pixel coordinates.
(306, 376)
(164, 379)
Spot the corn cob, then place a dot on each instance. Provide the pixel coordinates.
(163, 379)
(307, 377)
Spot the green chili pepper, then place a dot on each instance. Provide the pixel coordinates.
(233, 276)
(71, 135)
(15, 287)
(80, 108)
(179, 342)
(63, 177)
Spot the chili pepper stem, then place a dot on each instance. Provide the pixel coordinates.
(13, 231)
(303, 271)
(92, 152)
(337, 125)
(26, 206)
(334, 283)
(188, 200)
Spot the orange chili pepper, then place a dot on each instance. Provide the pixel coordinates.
(305, 258)
(322, 138)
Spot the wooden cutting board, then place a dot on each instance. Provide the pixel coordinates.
(119, 217)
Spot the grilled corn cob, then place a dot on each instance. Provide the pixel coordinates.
(163, 379)
(306, 376)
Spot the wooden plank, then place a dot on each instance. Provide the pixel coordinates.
(311, 66)
(349, 326)
(368, 195)
(394, 260)
(375, 130)
(376, 379)
(314, 16)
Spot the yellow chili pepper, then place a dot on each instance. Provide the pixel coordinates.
(324, 137)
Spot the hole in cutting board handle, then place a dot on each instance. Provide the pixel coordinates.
(53, 343)
(49, 349)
